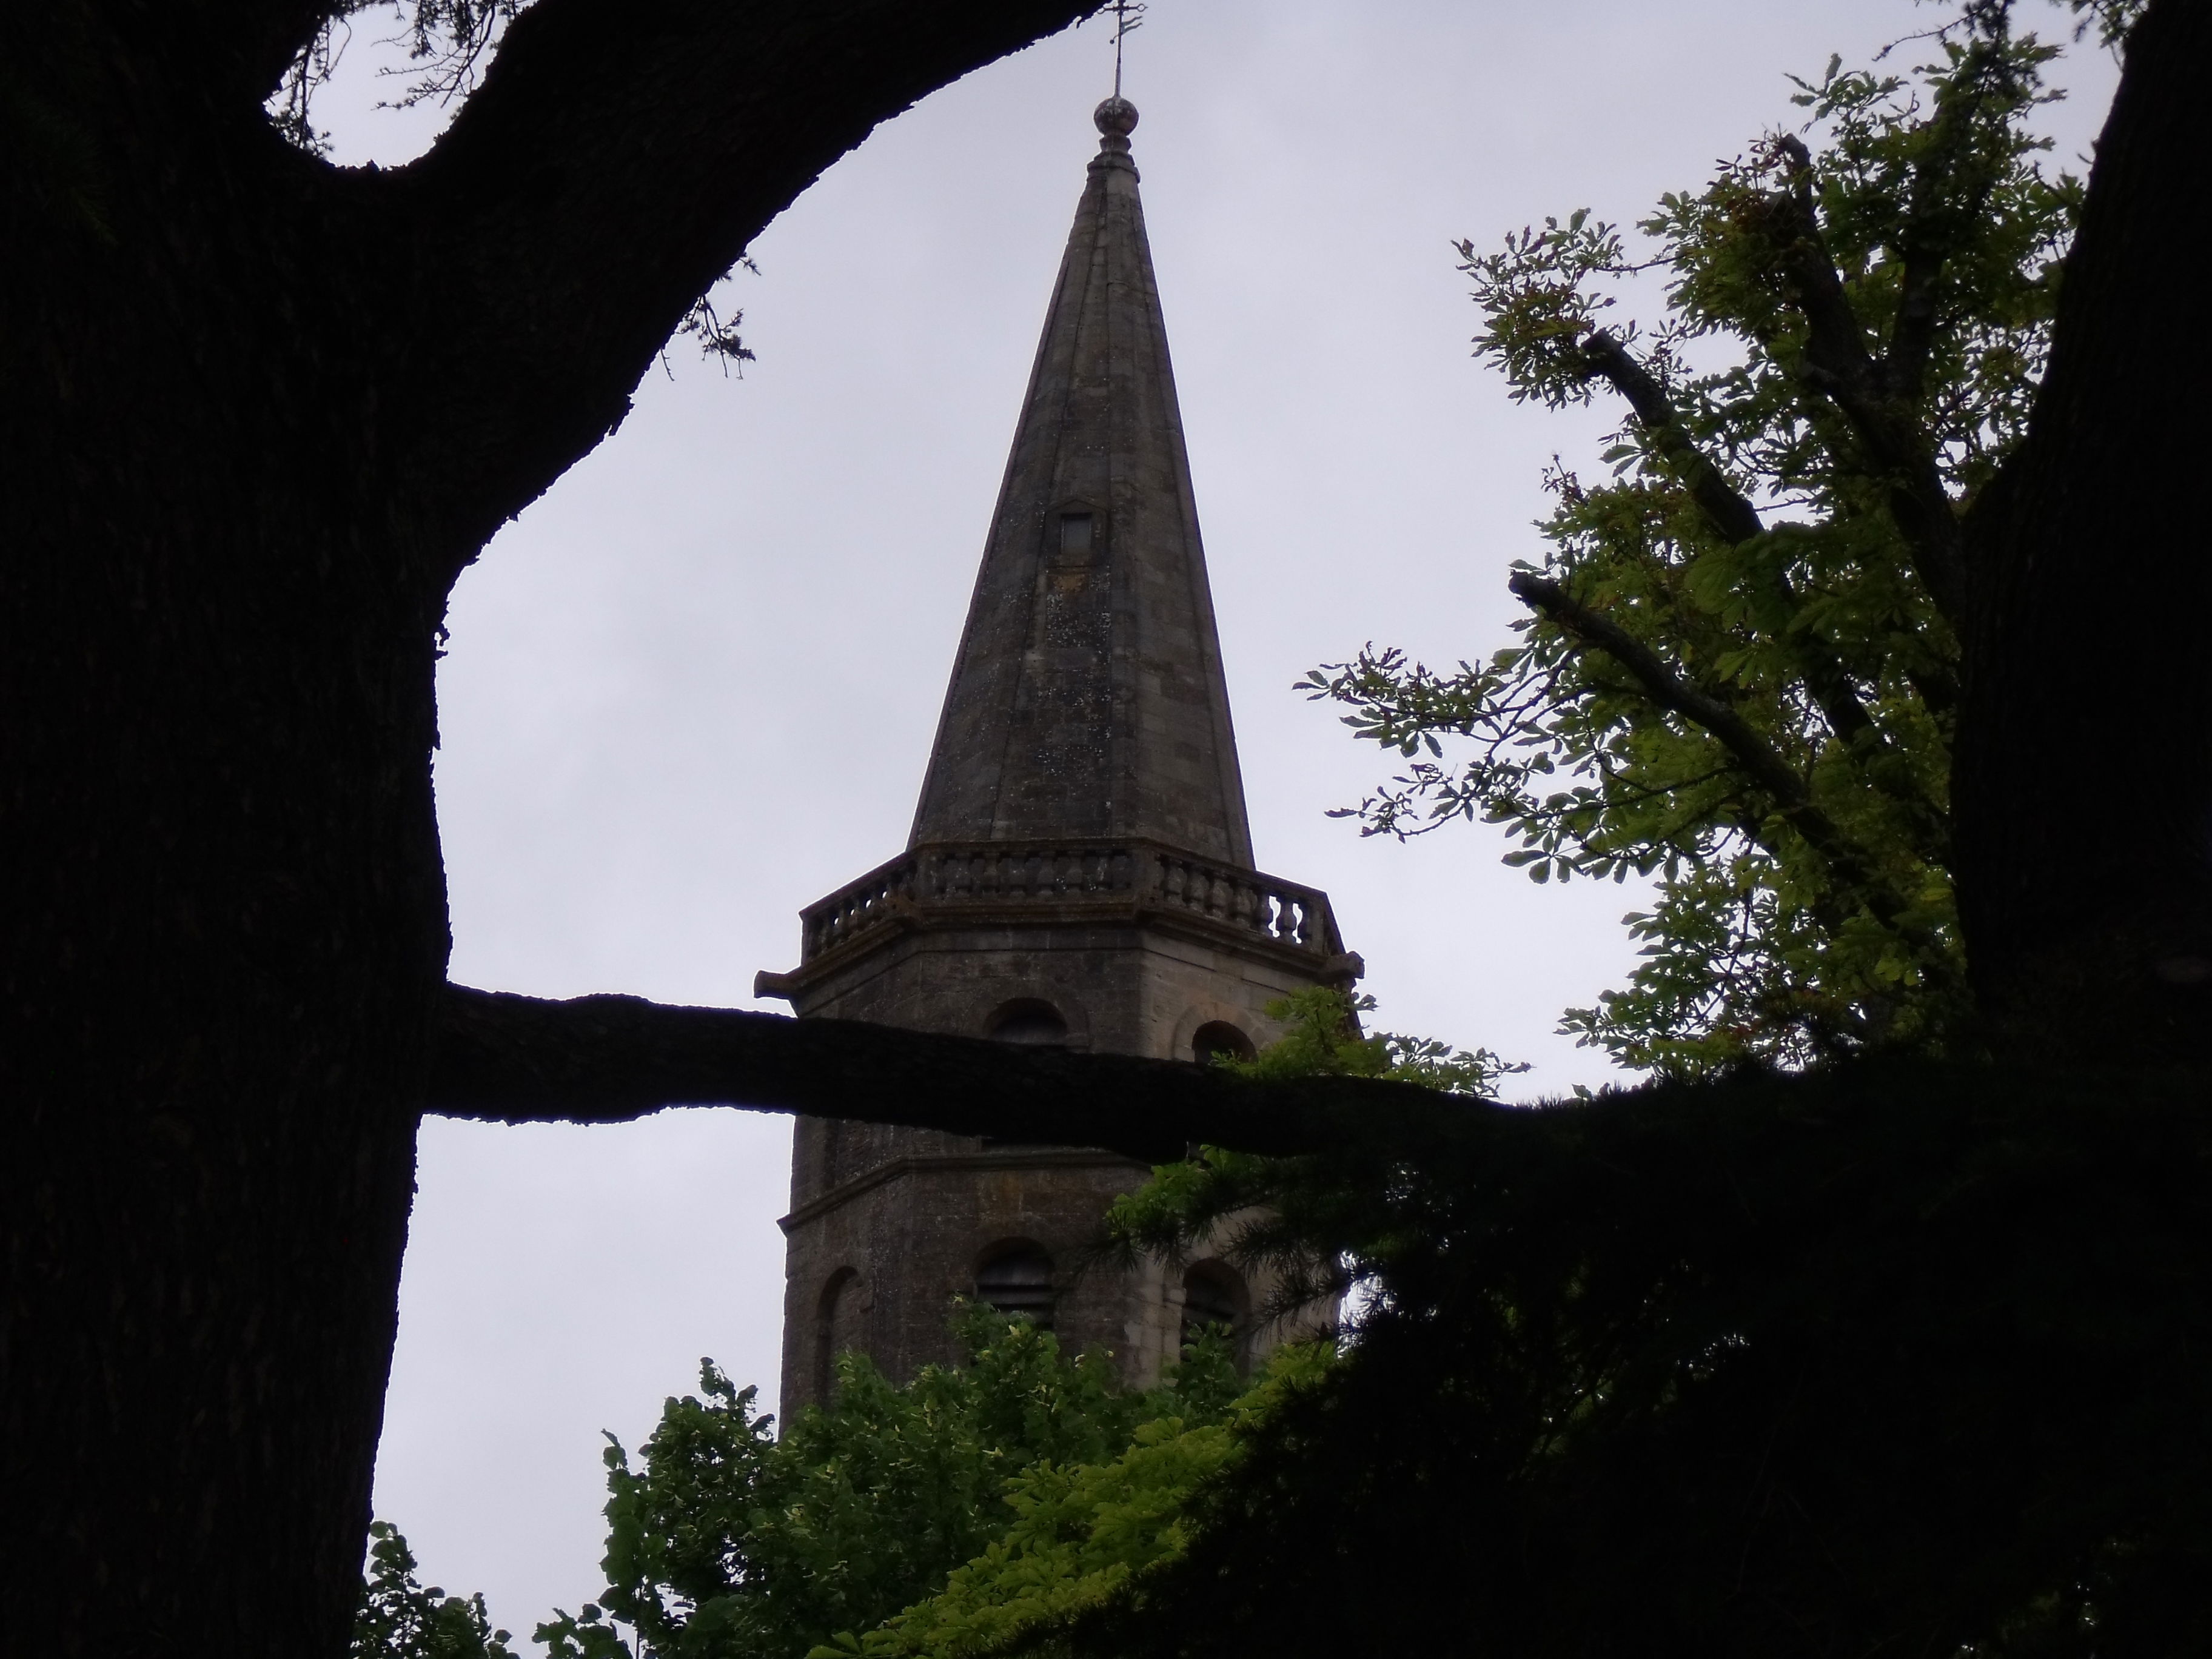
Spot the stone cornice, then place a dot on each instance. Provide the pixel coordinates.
(1040, 1157)
(1029, 884)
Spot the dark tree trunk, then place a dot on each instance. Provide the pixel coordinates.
(2083, 787)
(258, 414)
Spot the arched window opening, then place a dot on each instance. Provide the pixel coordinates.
(1028, 1019)
(1213, 1296)
(1217, 1039)
(1016, 1278)
(836, 1328)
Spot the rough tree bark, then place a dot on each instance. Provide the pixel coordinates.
(2082, 783)
(260, 412)
(608, 1058)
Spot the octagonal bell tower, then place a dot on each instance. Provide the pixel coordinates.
(1079, 873)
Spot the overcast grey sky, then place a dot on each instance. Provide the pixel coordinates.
(693, 688)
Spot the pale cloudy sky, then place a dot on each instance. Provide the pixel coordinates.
(693, 688)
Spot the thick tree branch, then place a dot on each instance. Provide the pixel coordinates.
(1912, 332)
(1933, 215)
(610, 1059)
(1726, 508)
(1757, 759)
(1734, 518)
(1754, 756)
(615, 163)
(270, 35)
(1839, 366)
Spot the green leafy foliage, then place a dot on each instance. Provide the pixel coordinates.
(1740, 669)
(1285, 1216)
(1322, 1036)
(1897, 1357)
(730, 1542)
(1081, 1533)
(1891, 1358)
(399, 1618)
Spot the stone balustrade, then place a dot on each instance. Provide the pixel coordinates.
(1006, 880)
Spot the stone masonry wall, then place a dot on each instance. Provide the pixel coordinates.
(889, 1225)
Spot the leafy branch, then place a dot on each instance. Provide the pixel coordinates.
(1739, 671)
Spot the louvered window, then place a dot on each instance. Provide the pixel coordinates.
(1016, 1279)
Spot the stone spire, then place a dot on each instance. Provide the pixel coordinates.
(1087, 699)
(1080, 875)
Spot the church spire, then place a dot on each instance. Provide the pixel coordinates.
(1087, 699)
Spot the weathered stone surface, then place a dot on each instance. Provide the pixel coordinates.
(1080, 869)
(1087, 697)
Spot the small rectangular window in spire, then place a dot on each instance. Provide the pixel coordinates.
(1075, 536)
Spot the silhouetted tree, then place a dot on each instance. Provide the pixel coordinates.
(260, 412)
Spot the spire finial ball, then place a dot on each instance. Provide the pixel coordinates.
(1116, 117)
